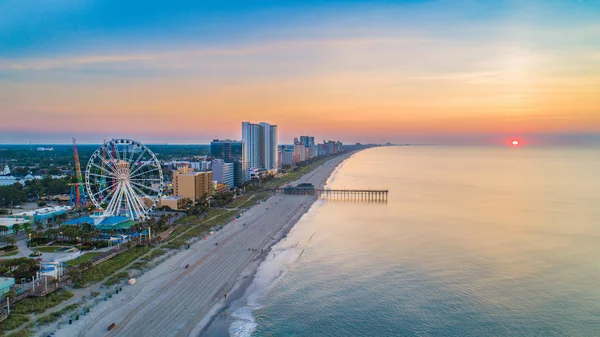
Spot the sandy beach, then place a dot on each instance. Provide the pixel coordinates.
(171, 300)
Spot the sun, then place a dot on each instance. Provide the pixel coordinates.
(515, 142)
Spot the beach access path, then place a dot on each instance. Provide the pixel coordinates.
(171, 300)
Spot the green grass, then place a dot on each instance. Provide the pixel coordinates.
(82, 258)
(295, 175)
(260, 196)
(239, 201)
(20, 333)
(55, 316)
(13, 321)
(175, 244)
(139, 265)
(197, 227)
(117, 278)
(203, 227)
(153, 254)
(38, 305)
(13, 253)
(50, 318)
(107, 268)
(49, 249)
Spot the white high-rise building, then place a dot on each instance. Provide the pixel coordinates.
(252, 137)
(6, 170)
(223, 172)
(269, 147)
(260, 145)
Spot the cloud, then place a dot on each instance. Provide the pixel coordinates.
(79, 61)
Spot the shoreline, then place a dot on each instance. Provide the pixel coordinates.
(244, 281)
(170, 300)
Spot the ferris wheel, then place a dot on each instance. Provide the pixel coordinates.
(124, 178)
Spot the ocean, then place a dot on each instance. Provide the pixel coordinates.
(473, 241)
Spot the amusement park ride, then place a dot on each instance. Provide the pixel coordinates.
(77, 197)
(122, 178)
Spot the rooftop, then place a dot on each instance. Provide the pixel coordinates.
(109, 221)
(172, 197)
(123, 225)
(44, 210)
(9, 222)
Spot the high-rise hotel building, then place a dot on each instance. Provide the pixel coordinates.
(260, 145)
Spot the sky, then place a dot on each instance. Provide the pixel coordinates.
(466, 71)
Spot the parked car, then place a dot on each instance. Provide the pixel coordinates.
(35, 253)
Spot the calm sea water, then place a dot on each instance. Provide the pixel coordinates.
(472, 242)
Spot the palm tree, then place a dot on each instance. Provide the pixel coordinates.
(3, 230)
(10, 241)
(26, 225)
(16, 228)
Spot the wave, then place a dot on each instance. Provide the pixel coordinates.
(269, 274)
(276, 266)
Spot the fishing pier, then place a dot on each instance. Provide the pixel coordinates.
(338, 194)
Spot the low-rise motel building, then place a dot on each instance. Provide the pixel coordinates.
(43, 215)
(174, 202)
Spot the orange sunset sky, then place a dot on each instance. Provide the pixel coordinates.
(407, 71)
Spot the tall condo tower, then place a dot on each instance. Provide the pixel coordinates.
(260, 145)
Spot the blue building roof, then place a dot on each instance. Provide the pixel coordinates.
(108, 221)
(113, 220)
(83, 219)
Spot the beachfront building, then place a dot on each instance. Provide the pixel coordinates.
(121, 224)
(10, 222)
(220, 188)
(287, 157)
(252, 136)
(308, 141)
(6, 283)
(43, 215)
(231, 151)
(260, 145)
(191, 184)
(270, 147)
(228, 150)
(300, 151)
(174, 202)
(223, 172)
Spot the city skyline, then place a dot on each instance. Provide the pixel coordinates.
(410, 72)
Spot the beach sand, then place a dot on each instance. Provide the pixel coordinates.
(170, 300)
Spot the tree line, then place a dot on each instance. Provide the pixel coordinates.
(17, 193)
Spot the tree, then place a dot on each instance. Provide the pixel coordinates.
(11, 195)
(10, 241)
(3, 230)
(16, 228)
(26, 226)
(203, 203)
(74, 274)
(186, 202)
